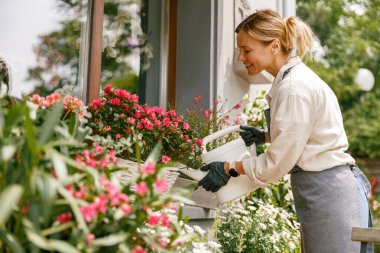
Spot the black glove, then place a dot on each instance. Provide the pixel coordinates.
(216, 178)
(252, 135)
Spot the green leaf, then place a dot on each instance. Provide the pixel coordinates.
(48, 191)
(11, 241)
(110, 240)
(8, 199)
(62, 246)
(59, 166)
(50, 122)
(154, 156)
(43, 243)
(7, 152)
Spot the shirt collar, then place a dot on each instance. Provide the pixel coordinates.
(293, 61)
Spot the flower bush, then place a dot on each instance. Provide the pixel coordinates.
(253, 115)
(206, 121)
(58, 194)
(257, 227)
(264, 221)
(118, 121)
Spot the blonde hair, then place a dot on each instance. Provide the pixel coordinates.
(267, 25)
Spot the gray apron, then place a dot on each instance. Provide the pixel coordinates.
(327, 206)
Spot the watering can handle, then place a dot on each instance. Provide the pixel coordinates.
(218, 134)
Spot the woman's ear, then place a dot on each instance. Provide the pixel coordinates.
(276, 46)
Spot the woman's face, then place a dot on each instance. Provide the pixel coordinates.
(255, 55)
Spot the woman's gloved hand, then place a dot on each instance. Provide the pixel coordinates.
(216, 178)
(252, 135)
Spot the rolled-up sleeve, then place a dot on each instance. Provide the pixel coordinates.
(291, 126)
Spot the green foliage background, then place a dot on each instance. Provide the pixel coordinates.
(348, 33)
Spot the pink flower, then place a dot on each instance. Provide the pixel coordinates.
(97, 103)
(64, 217)
(89, 239)
(115, 101)
(117, 137)
(154, 219)
(164, 220)
(126, 208)
(141, 189)
(237, 106)
(166, 122)
(186, 126)
(108, 89)
(165, 159)
(161, 185)
(196, 99)
(199, 142)
(122, 93)
(131, 120)
(139, 250)
(36, 99)
(148, 169)
(88, 212)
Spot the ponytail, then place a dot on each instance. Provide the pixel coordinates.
(298, 35)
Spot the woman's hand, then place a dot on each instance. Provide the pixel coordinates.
(216, 178)
(252, 135)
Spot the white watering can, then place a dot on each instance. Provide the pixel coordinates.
(232, 151)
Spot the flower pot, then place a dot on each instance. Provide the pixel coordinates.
(232, 151)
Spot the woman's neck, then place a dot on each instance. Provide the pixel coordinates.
(278, 62)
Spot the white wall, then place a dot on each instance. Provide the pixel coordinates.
(233, 81)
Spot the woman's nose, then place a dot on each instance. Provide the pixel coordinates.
(240, 57)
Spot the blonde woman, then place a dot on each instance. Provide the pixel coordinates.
(307, 138)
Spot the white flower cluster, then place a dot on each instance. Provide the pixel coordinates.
(257, 228)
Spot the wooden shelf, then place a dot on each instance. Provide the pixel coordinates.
(366, 234)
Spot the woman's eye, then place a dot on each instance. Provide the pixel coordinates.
(246, 51)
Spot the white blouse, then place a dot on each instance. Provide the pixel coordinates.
(306, 127)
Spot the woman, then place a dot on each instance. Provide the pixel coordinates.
(307, 138)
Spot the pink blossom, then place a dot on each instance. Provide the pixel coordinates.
(122, 93)
(148, 169)
(186, 126)
(52, 99)
(197, 98)
(166, 122)
(141, 189)
(134, 98)
(108, 89)
(101, 203)
(88, 212)
(199, 142)
(139, 250)
(117, 137)
(64, 217)
(89, 239)
(165, 159)
(164, 220)
(126, 208)
(106, 129)
(97, 103)
(114, 101)
(237, 106)
(137, 114)
(37, 99)
(98, 149)
(161, 185)
(154, 219)
(131, 120)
